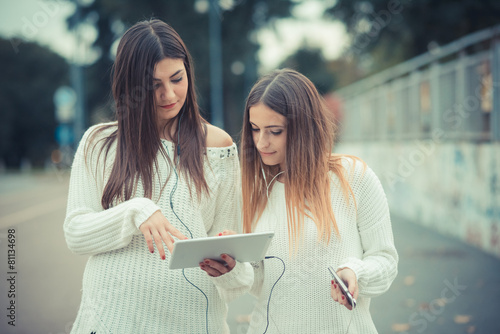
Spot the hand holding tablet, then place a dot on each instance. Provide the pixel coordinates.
(216, 268)
(241, 247)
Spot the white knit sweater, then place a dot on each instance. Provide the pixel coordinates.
(301, 301)
(126, 289)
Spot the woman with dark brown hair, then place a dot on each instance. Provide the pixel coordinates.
(159, 172)
(326, 210)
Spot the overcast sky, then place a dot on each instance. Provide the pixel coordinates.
(44, 22)
(36, 20)
(307, 26)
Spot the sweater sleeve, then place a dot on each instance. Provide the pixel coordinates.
(258, 282)
(377, 268)
(88, 228)
(228, 217)
(235, 283)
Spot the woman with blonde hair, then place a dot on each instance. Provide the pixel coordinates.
(325, 209)
(159, 172)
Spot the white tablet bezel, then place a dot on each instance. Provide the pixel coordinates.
(243, 247)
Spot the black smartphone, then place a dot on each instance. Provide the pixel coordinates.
(343, 287)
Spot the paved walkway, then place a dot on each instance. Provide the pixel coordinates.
(444, 286)
(48, 276)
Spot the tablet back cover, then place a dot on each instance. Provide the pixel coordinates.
(243, 247)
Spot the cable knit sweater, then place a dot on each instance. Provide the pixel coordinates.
(126, 289)
(301, 301)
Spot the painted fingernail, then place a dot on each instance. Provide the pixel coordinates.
(163, 257)
(224, 256)
(343, 297)
(206, 261)
(332, 282)
(220, 234)
(335, 286)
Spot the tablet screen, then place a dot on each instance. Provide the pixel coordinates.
(242, 247)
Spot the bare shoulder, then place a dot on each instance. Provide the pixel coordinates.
(217, 137)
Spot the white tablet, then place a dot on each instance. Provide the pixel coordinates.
(243, 247)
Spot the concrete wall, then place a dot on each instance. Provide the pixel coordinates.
(452, 187)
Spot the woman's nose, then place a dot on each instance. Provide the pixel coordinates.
(262, 142)
(168, 93)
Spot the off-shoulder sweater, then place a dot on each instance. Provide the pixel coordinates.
(126, 289)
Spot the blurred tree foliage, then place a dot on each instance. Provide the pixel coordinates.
(312, 64)
(189, 18)
(386, 32)
(27, 85)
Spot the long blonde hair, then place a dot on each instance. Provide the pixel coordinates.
(308, 160)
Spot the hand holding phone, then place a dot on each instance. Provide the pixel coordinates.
(342, 287)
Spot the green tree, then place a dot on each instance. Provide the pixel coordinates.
(27, 85)
(387, 32)
(312, 64)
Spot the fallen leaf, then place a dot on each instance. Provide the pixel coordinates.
(410, 302)
(441, 301)
(409, 280)
(400, 327)
(424, 306)
(462, 319)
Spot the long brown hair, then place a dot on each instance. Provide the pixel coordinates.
(308, 159)
(137, 135)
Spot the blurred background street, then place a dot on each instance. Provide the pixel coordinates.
(49, 276)
(414, 87)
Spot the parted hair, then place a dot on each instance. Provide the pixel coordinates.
(137, 135)
(308, 160)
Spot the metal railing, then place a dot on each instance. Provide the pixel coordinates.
(450, 91)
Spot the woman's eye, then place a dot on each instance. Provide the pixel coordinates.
(277, 132)
(156, 86)
(177, 80)
(255, 129)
